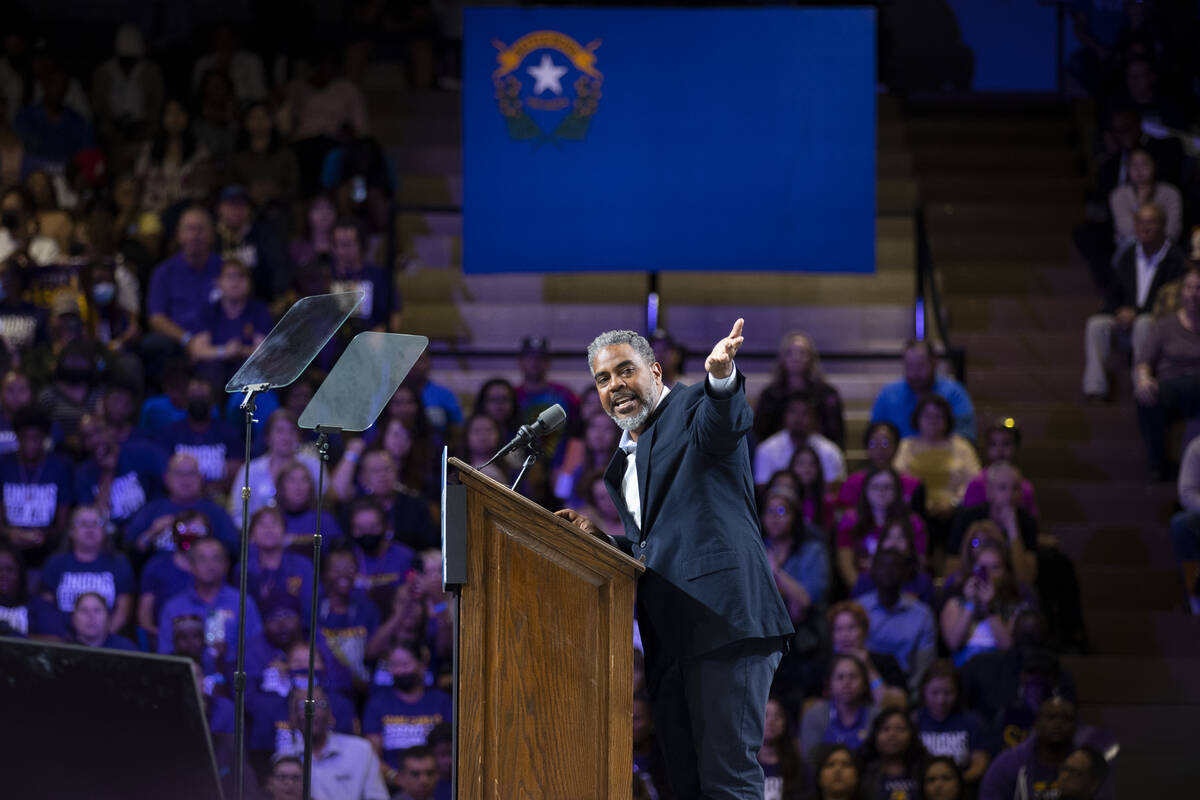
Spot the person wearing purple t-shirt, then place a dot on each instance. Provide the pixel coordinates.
(845, 718)
(273, 574)
(946, 729)
(383, 563)
(90, 625)
(37, 489)
(168, 573)
(231, 327)
(181, 287)
(150, 529)
(348, 619)
(119, 478)
(212, 599)
(296, 497)
(351, 273)
(86, 567)
(402, 717)
(1030, 770)
(22, 613)
(216, 445)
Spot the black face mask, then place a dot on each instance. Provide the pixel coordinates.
(199, 410)
(369, 541)
(406, 682)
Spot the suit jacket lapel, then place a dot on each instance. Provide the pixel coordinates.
(612, 479)
(644, 446)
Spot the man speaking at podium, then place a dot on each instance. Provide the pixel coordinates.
(712, 622)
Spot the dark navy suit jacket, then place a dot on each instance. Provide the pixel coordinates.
(707, 581)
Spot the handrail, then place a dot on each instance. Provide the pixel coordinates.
(927, 283)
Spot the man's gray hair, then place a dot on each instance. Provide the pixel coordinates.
(614, 338)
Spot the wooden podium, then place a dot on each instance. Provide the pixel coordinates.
(544, 653)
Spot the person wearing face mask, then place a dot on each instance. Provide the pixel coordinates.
(268, 653)
(401, 718)
(382, 562)
(216, 445)
(72, 393)
(107, 319)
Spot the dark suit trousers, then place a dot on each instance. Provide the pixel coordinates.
(709, 714)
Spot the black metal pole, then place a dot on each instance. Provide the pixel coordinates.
(309, 706)
(239, 675)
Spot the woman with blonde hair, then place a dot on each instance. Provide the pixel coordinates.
(798, 369)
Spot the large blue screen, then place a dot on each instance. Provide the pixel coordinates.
(667, 139)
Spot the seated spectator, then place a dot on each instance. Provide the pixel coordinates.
(119, 404)
(24, 613)
(947, 729)
(1185, 526)
(799, 561)
(296, 496)
(670, 355)
(89, 565)
(1003, 440)
(1142, 189)
(268, 652)
(837, 776)
(91, 624)
(263, 162)
(244, 67)
(352, 273)
(216, 119)
(1083, 774)
(162, 410)
(880, 506)
(38, 489)
(109, 321)
(402, 717)
(343, 766)
(127, 91)
(244, 238)
(940, 458)
(799, 429)
(20, 235)
(15, 394)
(53, 134)
(898, 536)
(649, 768)
(348, 619)
(71, 393)
(417, 775)
(383, 562)
(481, 440)
(173, 167)
(498, 399)
(283, 450)
(979, 611)
(897, 402)
(52, 220)
(151, 527)
(1126, 135)
(842, 719)
(891, 757)
(812, 488)
(536, 392)
(784, 771)
(407, 514)
(211, 598)
(1139, 273)
(233, 327)
(322, 106)
(1142, 91)
(317, 233)
(441, 741)
(285, 780)
(880, 440)
(1001, 507)
(583, 456)
(599, 502)
(1015, 773)
(901, 625)
(412, 459)
(942, 780)
(849, 626)
(217, 447)
(182, 286)
(990, 681)
(798, 369)
(415, 470)
(169, 572)
(441, 406)
(1167, 374)
(357, 173)
(275, 575)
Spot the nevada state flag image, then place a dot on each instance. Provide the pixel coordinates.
(565, 90)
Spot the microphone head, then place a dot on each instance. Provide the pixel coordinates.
(551, 419)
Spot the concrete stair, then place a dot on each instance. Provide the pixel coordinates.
(1002, 192)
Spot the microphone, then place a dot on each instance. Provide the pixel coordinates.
(547, 422)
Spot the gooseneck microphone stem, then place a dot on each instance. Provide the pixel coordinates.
(534, 452)
(546, 423)
(309, 705)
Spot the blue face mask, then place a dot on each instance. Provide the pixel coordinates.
(103, 293)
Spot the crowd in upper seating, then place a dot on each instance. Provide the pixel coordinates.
(1141, 240)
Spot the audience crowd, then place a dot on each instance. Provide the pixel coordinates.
(156, 218)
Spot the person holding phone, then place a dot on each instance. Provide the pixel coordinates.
(978, 616)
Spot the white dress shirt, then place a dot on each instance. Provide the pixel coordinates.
(1146, 267)
(722, 387)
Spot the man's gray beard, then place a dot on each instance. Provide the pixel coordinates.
(638, 419)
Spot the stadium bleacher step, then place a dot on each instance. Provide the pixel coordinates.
(973, 131)
(1115, 502)
(1126, 633)
(1156, 776)
(1003, 187)
(989, 217)
(1107, 545)
(1042, 421)
(1130, 680)
(1045, 249)
(970, 157)
(1084, 459)
(1131, 588)
(1039, 348)
(1043, 383)
(971, 312)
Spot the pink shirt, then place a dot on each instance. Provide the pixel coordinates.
(976, 493)
(847, 497)
(866, 548)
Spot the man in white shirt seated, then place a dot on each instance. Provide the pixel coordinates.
(799, 428)
(344, 767)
